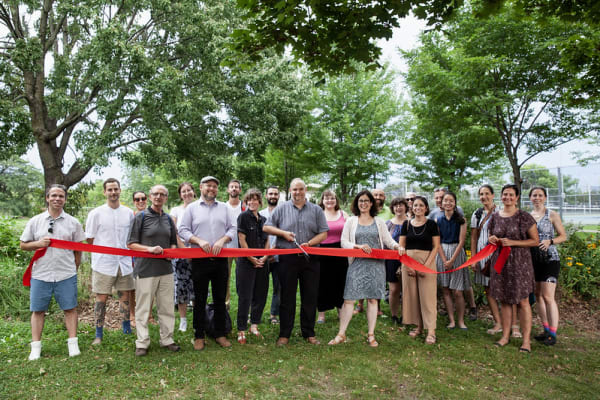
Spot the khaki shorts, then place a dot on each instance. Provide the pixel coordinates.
(103, 284)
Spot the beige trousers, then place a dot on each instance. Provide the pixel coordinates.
(419, 294)
(146, 290)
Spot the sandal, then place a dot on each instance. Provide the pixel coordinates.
(338, 339)
(493, 331)
(256, 333)
(241, 338)
(516, 333)
(274, 320)
(415, 332)
(371, 340)
(430, 339)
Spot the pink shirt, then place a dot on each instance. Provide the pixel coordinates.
(335, 230)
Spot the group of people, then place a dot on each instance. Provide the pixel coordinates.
(434, 238)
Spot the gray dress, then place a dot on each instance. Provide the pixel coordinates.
(366, 276)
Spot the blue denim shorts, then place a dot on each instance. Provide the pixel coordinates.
(65, 294)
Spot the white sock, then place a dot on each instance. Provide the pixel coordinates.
(73, 346)
(36, 350)
(183, 324)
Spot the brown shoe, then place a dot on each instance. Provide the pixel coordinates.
(199, 344)
(282, 341)
(313, 340)
(223, 342)
(172, 347)
(140, 352)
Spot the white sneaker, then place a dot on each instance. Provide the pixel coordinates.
(36, 350)
(183, 324)
(73, 346)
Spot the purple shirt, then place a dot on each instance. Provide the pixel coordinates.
(207, 222)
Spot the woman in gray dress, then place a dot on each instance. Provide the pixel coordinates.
(366, 276)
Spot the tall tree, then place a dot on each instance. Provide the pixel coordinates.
(352, 132)
(329, 35)
(504, 75)
(98, 78)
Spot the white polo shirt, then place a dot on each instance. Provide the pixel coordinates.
(57, 264)
(237, 210)
(110, 227)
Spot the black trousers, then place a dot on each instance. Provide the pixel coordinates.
(215, 271)
(252, 286)
(293, 269)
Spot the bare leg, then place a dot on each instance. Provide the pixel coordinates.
(494, 309)
(514, 322)
(525, 316)
(71, 322)
(321, 316)
(506, 313)
(346, 316)
(470, 297)
(124, 304)
(459, 299)
(449, 306)
(395, 289)
(182, 310)
(371, 315)
(37, 325)
(551, 311)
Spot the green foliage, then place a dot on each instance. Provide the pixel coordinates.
(21, 188)
(580, 264)
(491, 85)
(538, 175)
(9, 238)
(351, 135)
(328, 35)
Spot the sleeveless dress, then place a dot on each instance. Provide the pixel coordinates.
(516, 280)
(333, 270)
(182, 269)
(366, 276)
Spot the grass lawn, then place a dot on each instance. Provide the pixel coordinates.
(461, 365)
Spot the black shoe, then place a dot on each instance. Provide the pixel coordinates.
(395, 320)
(473, 314)
(550, 340)
(542, 336)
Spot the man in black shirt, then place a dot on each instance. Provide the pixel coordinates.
(152, 231)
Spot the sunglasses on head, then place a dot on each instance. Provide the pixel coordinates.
(139, 199)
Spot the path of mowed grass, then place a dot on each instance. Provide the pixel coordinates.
(461, 365)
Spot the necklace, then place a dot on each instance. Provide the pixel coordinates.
(415, 231)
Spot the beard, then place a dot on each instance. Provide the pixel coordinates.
(272, 202)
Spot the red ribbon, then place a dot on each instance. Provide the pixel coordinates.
(197, 252)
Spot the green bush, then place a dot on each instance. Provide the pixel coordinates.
(9, 238)
(580, 263)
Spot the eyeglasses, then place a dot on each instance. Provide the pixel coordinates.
(364, 201)
(51, 226)
(139, 199)
(159, 194)
(411, 199)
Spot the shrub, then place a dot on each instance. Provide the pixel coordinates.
(580, 263)
(9, 238)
